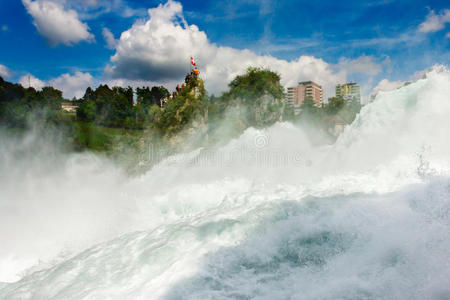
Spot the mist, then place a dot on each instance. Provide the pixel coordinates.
(269, 213)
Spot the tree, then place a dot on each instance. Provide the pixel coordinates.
(157, 94)
(120, 109)
(87, 111)
(108, 106)
(189, 104)
(18, 103)
(127, 92)
(334, 105)
(144, 96)
(89, 94)
(52, 97)
(148, 97)
(256, 83)
(256, 97)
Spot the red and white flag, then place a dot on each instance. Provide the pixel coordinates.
(192, 61)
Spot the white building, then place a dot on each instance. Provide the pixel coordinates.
(350, 92)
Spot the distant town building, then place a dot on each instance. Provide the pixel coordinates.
(291, 96)
(350, 92)
(69, 107)
(305, 90)
(311, 90)
(292, 99)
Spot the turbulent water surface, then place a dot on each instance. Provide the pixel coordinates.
(267, 216)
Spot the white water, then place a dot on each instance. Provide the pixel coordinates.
(268, 216)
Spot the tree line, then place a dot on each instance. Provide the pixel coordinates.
(254, 99)
(17, 103)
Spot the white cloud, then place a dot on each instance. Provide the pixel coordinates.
(435, 22)
(71, 85)
(108, 36)
(362, 65)
(447, 35)
(158, 49)
(4, 71)
(31, 81)
(5, 28)
(89, 9)
(386, 85)
(57, 25)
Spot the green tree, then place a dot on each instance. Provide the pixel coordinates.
(256, 83)
(144, 96)
(17, 104)
(87, 111)
(334, 105)
(148, 97)
(256, 97)
(189, 104)
(118, 111)
(157, 94)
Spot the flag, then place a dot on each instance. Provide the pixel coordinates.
(193, 62)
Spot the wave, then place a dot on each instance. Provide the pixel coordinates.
(269, 215)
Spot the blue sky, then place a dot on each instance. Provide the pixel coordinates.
(366, 41)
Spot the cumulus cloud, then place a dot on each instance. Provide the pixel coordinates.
(362, 65)
(71, 85)
(94, 8)
(385, 85)
(57, 25)
(158, 49)
(435, 22)
(4, 71)
(31, 81)
(108, 36)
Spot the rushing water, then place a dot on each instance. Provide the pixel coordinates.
(267, 216)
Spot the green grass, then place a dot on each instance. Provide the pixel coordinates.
(102, 139)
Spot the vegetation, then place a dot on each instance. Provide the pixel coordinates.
(148, 97)
(17, 103)
(109, 107)
(188, 104)
(254, 99)
(108, 115)
(336, 112)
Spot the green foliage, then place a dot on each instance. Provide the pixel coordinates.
(148, 97)
(190, 102)
(87, 111)
(87, 135)
(334, 105)
(256, 98)
(308, 105)
(110, 107)
(336, 111)
(256, 83)
(114, 107)
(18, 104)
(253, 99)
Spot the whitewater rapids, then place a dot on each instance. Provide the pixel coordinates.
(268, 216)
